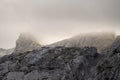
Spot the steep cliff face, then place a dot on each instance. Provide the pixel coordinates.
(26, 42)
(109, 67)
(100, 40)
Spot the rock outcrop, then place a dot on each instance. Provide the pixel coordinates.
(109, 67)
(100, 40)
(26, 42)
(59, 63)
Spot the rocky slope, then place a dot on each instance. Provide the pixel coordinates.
(26, 42)
(98, 39)
(59, 63)
(109, 67)
(63, 63)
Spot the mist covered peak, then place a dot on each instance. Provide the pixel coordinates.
(100, 40)
(26, 42)
(27, 36)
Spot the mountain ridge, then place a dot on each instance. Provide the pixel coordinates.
(62, 63)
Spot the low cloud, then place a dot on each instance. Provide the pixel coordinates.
(53, 20)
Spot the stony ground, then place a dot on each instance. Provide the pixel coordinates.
(62, 63)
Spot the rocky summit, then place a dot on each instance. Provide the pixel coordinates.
(99, 40)
(62, 63)
(26, 42)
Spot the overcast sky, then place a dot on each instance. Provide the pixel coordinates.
(54, 20)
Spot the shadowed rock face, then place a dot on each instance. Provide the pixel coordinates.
(100, 40)
(26, 42)
(109, 67)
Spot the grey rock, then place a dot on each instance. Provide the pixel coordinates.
(48, 63)
(109, 67)
(62, 63)
(15, 76)
(30, 76)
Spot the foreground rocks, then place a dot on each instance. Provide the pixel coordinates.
(57, 63)
(62, 63)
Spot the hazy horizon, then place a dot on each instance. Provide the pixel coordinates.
(53, 20)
